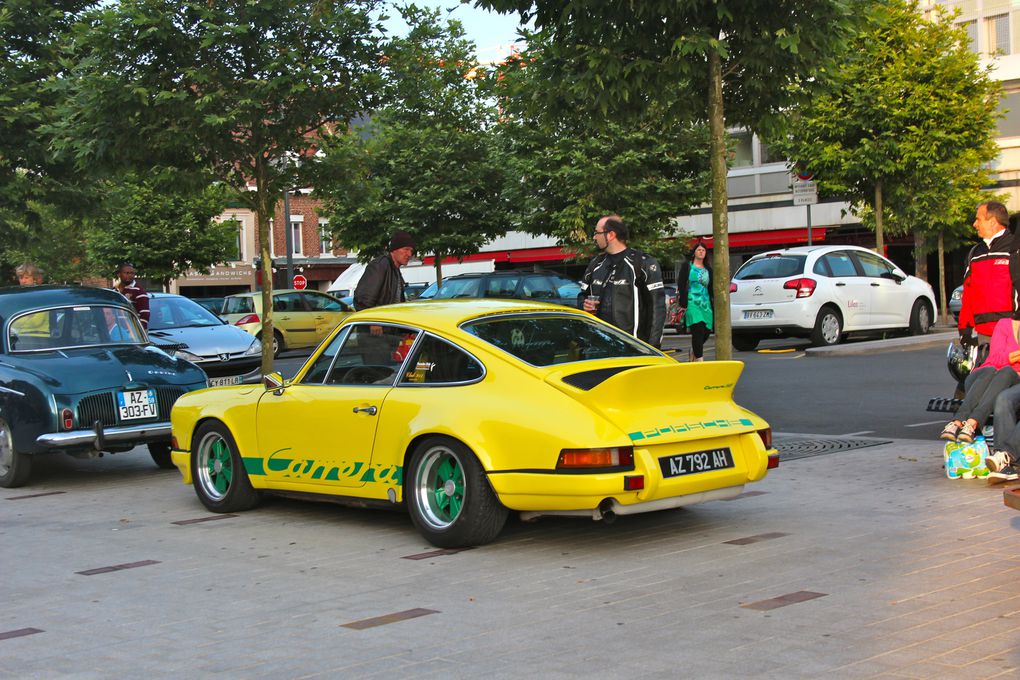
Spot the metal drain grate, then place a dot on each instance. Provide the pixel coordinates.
(794, 447)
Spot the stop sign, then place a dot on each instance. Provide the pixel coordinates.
(300, 282)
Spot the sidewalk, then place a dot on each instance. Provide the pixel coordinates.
(867, 563)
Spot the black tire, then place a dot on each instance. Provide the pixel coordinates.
(15, 467)
(468, 513)
(160, 452)
(828, 328)
(278, 344)
(217, 471)
(921, 317)
(745, 343)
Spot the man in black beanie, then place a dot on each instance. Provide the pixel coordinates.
(382, 284)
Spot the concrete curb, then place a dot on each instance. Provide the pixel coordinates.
(941, 339)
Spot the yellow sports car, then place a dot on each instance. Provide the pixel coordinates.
(462, 410)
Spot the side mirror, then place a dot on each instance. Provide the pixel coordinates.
(273, 382)
(895, 276)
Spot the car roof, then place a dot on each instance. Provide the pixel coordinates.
(807, 250)
(448, 314)
(16, 299)
(506, 272)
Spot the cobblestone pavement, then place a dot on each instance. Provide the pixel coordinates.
(858, 564)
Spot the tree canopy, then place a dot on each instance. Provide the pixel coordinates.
(425, 162)
(683, 56)
(233, 90)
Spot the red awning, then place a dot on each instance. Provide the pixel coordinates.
(773, 238)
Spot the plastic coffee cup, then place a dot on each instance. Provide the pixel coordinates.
(594, 300)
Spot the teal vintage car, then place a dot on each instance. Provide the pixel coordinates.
(78, 375)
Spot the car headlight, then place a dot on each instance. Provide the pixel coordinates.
(957, 295)
(254, 348)
(187, 356)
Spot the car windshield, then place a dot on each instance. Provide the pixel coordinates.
(238, 305)
(458, 288)
(166, 313)
(547, 339)
(78, 326)
(771, 267)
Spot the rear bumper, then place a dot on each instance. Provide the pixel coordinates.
(99, 436)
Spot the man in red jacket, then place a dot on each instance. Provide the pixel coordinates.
(988, 283)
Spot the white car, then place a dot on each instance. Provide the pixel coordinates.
(825, 292)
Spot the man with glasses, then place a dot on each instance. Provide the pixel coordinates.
(623, 286)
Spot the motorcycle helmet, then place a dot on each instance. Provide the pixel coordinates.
(962, 359)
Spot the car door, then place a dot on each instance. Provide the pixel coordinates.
(321, 430)
(294, 320)
(848, 287)
(891, 301)
(327, 313)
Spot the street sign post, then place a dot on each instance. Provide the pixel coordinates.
(300, 282)
(805, 192)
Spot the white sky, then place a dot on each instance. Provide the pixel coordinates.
(493, 34)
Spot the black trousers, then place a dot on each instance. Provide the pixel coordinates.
(699, 334)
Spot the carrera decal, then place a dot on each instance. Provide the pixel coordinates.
(290, 467)
(690, 427)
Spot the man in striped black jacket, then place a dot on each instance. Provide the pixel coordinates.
(623, 286)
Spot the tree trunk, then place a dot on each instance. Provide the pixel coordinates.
(920, 256)
(879, 244)
(943, 303)
(720, 226)
(439, 270)
(263, 211)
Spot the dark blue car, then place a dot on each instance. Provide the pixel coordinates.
(78, 375)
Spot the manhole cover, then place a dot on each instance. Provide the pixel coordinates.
(794, 447)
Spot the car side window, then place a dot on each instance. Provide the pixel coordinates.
(840, 263)
(873, 265)
(437, 362)
(317, 373)
(322, 303)
(288, 302)
(821, 267)
(501, 286)
(538, 288)
(371, 354)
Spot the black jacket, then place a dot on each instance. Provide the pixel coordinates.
(631, 296)
(381, 284)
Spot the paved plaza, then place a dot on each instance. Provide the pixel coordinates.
(857, 564)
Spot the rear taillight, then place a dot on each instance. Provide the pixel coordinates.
(733, 287)
(248, 318)
(804, 287)
(67, 419)
(586, 459)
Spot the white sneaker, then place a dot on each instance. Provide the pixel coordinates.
(998, 460)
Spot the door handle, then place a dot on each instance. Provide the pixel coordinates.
(370, 410)
(840, 284)
(875, 285)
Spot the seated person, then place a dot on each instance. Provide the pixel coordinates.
(999, 372)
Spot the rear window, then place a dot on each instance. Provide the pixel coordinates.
(771, 267)
(238, 305)
(547, 339)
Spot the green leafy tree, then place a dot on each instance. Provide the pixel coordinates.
(31, 179)
(683, 55)
(163, 233)
(53, 241)
(427, 162)
(905, 128)
(235, 90)
(565, 172)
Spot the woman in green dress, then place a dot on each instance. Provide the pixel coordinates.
(694, 295)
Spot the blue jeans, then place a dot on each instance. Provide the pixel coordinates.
(1007, 435)
(983, 387)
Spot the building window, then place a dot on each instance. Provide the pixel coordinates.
(237, 255)
(325, 239)
(742, 151)
(998, 34)
(272, 238)
(972, 35)
(295, 231)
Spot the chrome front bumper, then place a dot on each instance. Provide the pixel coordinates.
(98, 436)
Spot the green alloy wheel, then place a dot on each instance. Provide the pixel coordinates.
(217, 471)
(449, 497)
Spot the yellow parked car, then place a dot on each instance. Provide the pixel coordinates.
(463, 410)
(301, 318)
